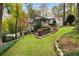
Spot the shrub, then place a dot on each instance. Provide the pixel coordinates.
(70, 19)
(25, 33)
(38, 25)
(4, 38)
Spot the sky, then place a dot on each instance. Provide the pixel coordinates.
(37, 5)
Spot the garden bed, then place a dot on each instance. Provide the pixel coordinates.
(45, 31)
(69, 44)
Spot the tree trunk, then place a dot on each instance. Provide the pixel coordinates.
(74, 9)
(20, 32)
(16, 21)
(70, 8)
(1, 14)
(78, 16)
(63, 13)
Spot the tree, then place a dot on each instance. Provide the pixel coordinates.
(70, 8)
(38, 25)
(55, 10)
(5, 26)
(16, 16)
(11, 25)
(15, 11)
(70, 19)
(59, 9)
(1, 13)
(78, 15)
(31, 11)
(63, 13)
(8, 7)
(8, 27)
(23, 23)
(74, 9)
(43, 9)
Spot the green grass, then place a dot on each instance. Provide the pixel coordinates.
(29, 45)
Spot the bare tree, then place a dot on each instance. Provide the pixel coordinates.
(43, 9)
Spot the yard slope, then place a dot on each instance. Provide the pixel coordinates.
(29, 45)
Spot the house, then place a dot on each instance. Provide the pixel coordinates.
(50, 15)
(40, 19)
(45, 18)
(48, 20)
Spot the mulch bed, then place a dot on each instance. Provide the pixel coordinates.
(68, 44)
(42, 33)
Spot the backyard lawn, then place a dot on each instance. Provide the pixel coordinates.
(29, 45)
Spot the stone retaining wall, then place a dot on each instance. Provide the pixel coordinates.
(57, 48)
